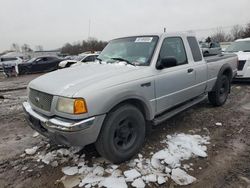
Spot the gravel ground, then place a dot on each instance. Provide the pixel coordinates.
(227, 164)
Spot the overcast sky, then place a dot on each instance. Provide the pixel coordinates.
(52, 23)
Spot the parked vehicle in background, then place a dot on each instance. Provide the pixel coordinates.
(224, 45)
(39, 64)
(81, 58)
(212, 48)
(9, 65)
(140, 81)
(242, 48)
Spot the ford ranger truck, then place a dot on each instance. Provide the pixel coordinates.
(135, 83)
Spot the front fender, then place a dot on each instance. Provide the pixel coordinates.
(130, 96)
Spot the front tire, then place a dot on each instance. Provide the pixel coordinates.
(23, 71)
(122, 134)
(219, 96)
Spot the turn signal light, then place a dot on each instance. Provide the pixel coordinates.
(80, 106)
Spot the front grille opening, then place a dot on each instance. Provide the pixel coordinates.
(241, 65)
(40, 99)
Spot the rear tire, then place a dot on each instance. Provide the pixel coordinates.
(219, 96)
(122, 134)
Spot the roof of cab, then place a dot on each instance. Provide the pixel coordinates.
(245, 39)
(182, 34)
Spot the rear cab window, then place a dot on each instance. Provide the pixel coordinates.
(195, 49)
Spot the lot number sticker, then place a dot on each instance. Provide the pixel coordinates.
(144, 39)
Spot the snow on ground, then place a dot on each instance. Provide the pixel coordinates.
(164, 165)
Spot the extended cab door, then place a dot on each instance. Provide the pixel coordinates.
(174, 85)
(199, 65)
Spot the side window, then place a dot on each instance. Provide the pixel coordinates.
(173, 47)
(38, 59)
(45, 59)
(215, 45)
(95, 56)
(195, 49)
(88, 59)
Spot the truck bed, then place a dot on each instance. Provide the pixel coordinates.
(215, 63)
(219, 57)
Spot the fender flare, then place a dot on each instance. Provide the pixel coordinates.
(131, 98)
(226, 69)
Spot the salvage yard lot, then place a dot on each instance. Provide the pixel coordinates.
(227, 163)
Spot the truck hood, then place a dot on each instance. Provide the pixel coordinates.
(243, 55)
(67, 82)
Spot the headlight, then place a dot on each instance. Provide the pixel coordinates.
(71, 106)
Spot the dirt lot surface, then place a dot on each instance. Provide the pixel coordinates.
(227, 164)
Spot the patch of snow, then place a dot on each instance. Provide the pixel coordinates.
(31, 151)
(131, 174)
(91, 179)
(162, 165)
(218, 124)
(98, 171)
(181, 147)
(113, 182)
(47, 158)
(36, 134)
(181, 177)
(161, 180)
(70, 171)
(167, 170)
(54, 164)
(138, 183)
(150, 178)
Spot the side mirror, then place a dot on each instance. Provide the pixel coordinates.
(166, 63)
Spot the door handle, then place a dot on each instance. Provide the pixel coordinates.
(190, 70)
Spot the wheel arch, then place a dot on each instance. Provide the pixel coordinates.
(137, 102)
(226, 69)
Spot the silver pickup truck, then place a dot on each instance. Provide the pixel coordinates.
(136, 82)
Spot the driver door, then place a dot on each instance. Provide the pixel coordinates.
(173, 84)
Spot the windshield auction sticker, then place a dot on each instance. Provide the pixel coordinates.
(144, 39)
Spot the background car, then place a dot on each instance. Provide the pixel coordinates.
(212, 48)
(9, 65)
(241, 47)
(39, 64)
(81, 58)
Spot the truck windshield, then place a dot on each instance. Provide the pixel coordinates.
(132, 50)
(243, 46)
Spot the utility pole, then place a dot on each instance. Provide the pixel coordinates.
(89, 28)
(164, 30)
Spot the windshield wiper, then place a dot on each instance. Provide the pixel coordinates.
(246, 50)
(121, 59)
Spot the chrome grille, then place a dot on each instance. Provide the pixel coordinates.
(40, 99)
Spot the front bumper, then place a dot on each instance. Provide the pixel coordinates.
(64, 131)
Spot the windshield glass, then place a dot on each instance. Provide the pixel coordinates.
(239, 46)
(133, 50)
(31, 60)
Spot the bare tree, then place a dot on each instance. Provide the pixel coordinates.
(247, 31)
(237, 32)
(91, 44)
(220, 36)
(26, 48)
(39, 48)
(15, 47)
